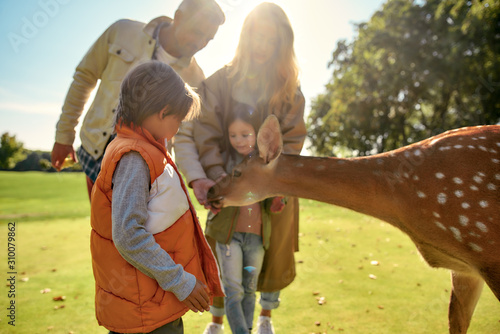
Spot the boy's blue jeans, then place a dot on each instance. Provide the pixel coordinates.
(240, 264)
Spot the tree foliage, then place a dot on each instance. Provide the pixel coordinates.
(415, 69)
(11, 151)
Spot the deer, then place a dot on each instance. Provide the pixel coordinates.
(443, 192)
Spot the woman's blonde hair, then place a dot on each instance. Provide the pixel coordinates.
(153, 87)
(280, 81)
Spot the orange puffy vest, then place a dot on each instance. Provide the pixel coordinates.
(128, 301)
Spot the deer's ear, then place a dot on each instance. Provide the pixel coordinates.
(269, 139)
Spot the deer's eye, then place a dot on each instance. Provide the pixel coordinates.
(236, 173)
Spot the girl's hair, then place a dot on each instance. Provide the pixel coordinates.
(280, 79)
(152, 87)
(247, 114)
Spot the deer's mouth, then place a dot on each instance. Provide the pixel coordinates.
(214, 199)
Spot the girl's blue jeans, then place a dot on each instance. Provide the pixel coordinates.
(240, 264)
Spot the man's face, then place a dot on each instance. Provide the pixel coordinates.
(193, 33)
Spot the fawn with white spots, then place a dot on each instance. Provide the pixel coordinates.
(443, 192)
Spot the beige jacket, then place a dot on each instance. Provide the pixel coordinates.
(123, 45)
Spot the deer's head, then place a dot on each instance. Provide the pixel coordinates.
(249, 181)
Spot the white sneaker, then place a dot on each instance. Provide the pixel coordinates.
(265, 325)
(213, 328)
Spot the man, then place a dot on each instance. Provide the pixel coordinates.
(122, 46)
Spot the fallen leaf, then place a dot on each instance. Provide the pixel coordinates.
(59, 298)
(315, 293)
(380, 307)
(321, 301)
(317, 323)
(374, 263)
(25, 279)
(59, 306)
(46, 290)
(372, 276)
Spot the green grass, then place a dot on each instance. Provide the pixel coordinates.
(336, 249)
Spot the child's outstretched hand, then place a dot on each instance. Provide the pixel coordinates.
(198, 300)
(277, 204)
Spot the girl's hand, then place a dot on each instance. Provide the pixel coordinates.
(278, 204)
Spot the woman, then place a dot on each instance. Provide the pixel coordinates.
(264, 75)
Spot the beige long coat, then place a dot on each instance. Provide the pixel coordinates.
(210, 135)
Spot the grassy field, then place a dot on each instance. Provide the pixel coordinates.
(335, 262)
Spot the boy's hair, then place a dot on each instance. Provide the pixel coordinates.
(152, 87)
(209, 8)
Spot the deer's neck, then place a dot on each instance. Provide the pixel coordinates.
(361, 184)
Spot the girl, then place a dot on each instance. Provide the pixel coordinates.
(264, 75)
(150, 260)
(241, 233)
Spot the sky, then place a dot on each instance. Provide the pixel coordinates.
(42, 42)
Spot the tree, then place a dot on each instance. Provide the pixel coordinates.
(11, 151)
(415, 69)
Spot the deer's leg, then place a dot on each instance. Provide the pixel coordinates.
(466, 290)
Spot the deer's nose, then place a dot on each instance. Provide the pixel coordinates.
(211, 192)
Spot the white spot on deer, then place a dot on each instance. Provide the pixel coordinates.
(456, 233)
(465, 205)
(498, 144)
(474, 188)
(444, 148)
(474, 234)
(482, 148)
(299, 164)
(458, 180)
(477, 179)
(458, 146)
(407, 154)
(459, 193)
(491, 186)
(495, 161)
(418, 153)
(380, 161)
(471, 147)
(320, 167)
(483, 204)
(421, 194)
(497, 176)
(463, 220)
(482, 227)
(416, 178)
(441, 226)
(441, 197)
(475, 247)
(437, 215)
(439, 175)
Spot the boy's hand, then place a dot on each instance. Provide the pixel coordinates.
(200, 189)
(198, 300)
(278, 204)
